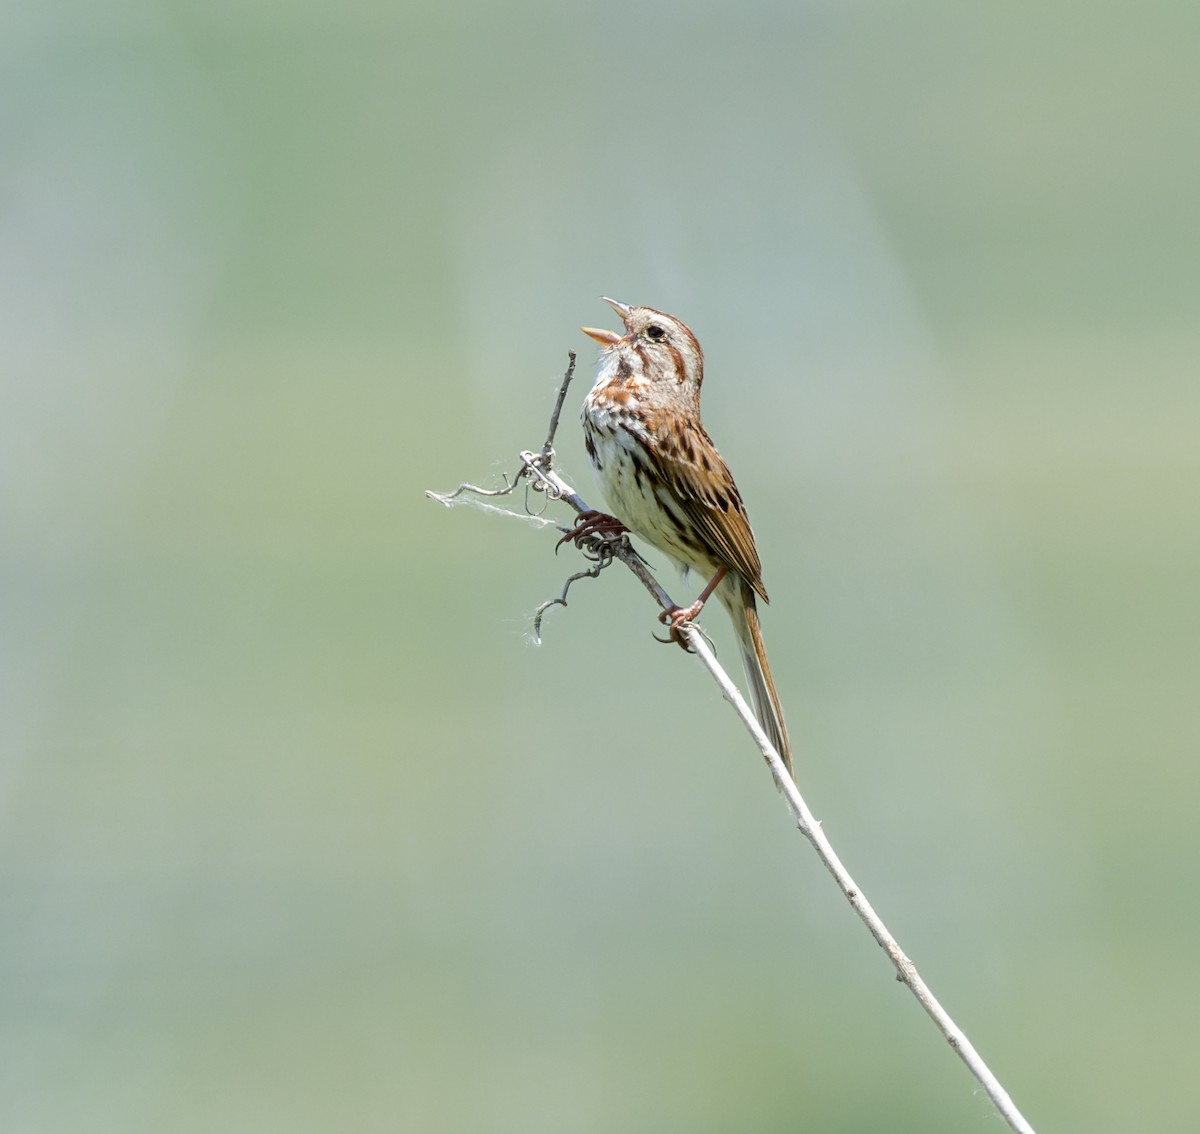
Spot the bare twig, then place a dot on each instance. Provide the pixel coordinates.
(593, 572)
(810, 828)
(548, 447)
(538, 469)
(448, 498)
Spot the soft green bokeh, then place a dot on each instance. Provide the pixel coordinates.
(298, 831)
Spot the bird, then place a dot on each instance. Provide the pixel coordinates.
(663, 478)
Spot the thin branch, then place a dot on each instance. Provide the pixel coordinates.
(811, 829)
(448, 498)
(548, 447)
(593, 572)
(538, 469)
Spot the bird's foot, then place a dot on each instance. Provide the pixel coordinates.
(678, 615)
(675, 619)
(592, 523)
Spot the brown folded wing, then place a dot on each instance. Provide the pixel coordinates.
(703, 487)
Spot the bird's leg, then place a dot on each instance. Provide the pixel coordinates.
(677, 616)
(592, 523)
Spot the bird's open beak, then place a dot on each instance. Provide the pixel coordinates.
(603, 337)
(609, 338)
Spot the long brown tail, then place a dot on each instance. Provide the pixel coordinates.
(744, 612)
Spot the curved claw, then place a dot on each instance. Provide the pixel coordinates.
(592, 523)
(674, 638)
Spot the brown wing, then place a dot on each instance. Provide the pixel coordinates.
(701, 484)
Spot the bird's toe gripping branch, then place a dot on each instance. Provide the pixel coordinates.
(593, 526)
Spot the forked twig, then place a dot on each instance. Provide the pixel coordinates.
(537, 469)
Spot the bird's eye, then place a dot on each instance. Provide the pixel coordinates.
(655, 332)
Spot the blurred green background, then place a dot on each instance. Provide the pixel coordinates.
(298, 831)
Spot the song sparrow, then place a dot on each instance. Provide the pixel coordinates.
(665, 481)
